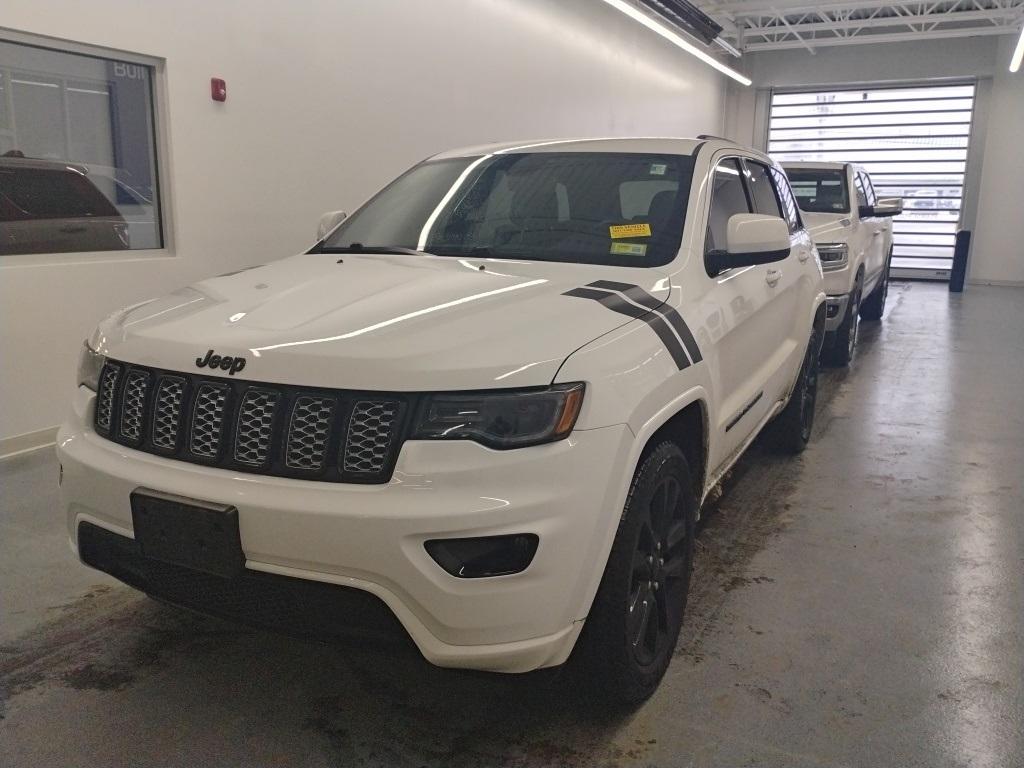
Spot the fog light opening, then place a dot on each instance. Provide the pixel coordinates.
(484, 556)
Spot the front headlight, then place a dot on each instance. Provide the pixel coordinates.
(90, 363)
(502, 419)
(833, 255)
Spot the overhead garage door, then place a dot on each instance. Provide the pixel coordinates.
(913, 142)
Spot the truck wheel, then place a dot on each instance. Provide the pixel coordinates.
(629, 637)
(874, 305)
(840, 352)
(791, 430)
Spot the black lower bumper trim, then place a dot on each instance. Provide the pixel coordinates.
(281, 603)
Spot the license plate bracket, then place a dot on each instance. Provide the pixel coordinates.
(191, 533)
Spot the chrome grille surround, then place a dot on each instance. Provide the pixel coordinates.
(370, 431)
(254, 427)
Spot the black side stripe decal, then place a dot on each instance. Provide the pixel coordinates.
(640, 296)
(657, 323)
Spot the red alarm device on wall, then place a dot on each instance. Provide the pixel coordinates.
(218, 89)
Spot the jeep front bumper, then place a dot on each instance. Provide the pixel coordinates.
(371, 537)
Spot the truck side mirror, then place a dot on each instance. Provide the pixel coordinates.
(751, 238)
(891, 206)
(328, 222)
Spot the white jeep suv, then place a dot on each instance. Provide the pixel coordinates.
(853, 232)
(486, 407)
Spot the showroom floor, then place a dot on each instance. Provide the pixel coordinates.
(857, 606)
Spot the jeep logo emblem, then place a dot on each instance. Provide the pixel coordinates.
(230, 364)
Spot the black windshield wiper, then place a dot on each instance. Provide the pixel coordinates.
(360, 248)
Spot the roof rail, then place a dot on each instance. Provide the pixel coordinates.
(707, 136)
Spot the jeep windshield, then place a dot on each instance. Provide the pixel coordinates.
(820, 190)
(585, 207)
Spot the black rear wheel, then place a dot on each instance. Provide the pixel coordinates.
(791, 430)
(634, 623)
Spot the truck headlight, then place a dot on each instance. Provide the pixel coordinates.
(833, 255)
(90, 363)
(502, 419)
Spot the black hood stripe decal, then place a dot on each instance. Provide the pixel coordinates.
(616, 303)
(659, 310)
(641, 297)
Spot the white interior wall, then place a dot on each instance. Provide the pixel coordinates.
(327, 100)
(995, 163)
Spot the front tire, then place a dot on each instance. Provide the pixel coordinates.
(844, 339)
(791, 431)
(874, 305)
(629, 637)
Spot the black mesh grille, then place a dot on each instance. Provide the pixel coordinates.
(133, 404)
(105, 397)
(308, 431)
(370, 430)
(167, 412)
(330, 435)
(255, 427)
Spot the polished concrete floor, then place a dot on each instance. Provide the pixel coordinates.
(862, 605)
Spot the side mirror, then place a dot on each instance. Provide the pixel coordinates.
(891, 206)
(328, 222)
(751, 238)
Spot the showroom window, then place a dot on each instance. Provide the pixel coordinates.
(913, 141)
(78, 166)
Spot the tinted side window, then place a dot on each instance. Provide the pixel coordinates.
(761, 190)
(785, 193)
(728, 197)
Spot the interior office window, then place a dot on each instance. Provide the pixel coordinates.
(77, 153)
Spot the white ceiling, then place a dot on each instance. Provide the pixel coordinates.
(760, 25)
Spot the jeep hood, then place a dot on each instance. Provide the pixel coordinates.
(828, 227)
(378, 322)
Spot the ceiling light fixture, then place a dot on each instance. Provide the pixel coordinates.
(676, 39)
(1018, 53)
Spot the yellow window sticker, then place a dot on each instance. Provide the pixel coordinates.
(629, 230)
(629, 249)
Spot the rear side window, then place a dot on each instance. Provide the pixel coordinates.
(789, 207)
(728, 197)
(28, 193)
(761, 190)
(869, 190)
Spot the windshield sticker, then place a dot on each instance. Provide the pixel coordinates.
(629, 230)
(628, 249)
(658, 169)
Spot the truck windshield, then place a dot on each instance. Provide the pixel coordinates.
(820, 190)
(584, 207)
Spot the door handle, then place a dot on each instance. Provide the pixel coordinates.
(877, 233)
(772, 276)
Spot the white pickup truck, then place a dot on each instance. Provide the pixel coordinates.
(852, 229)
(485, 408)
